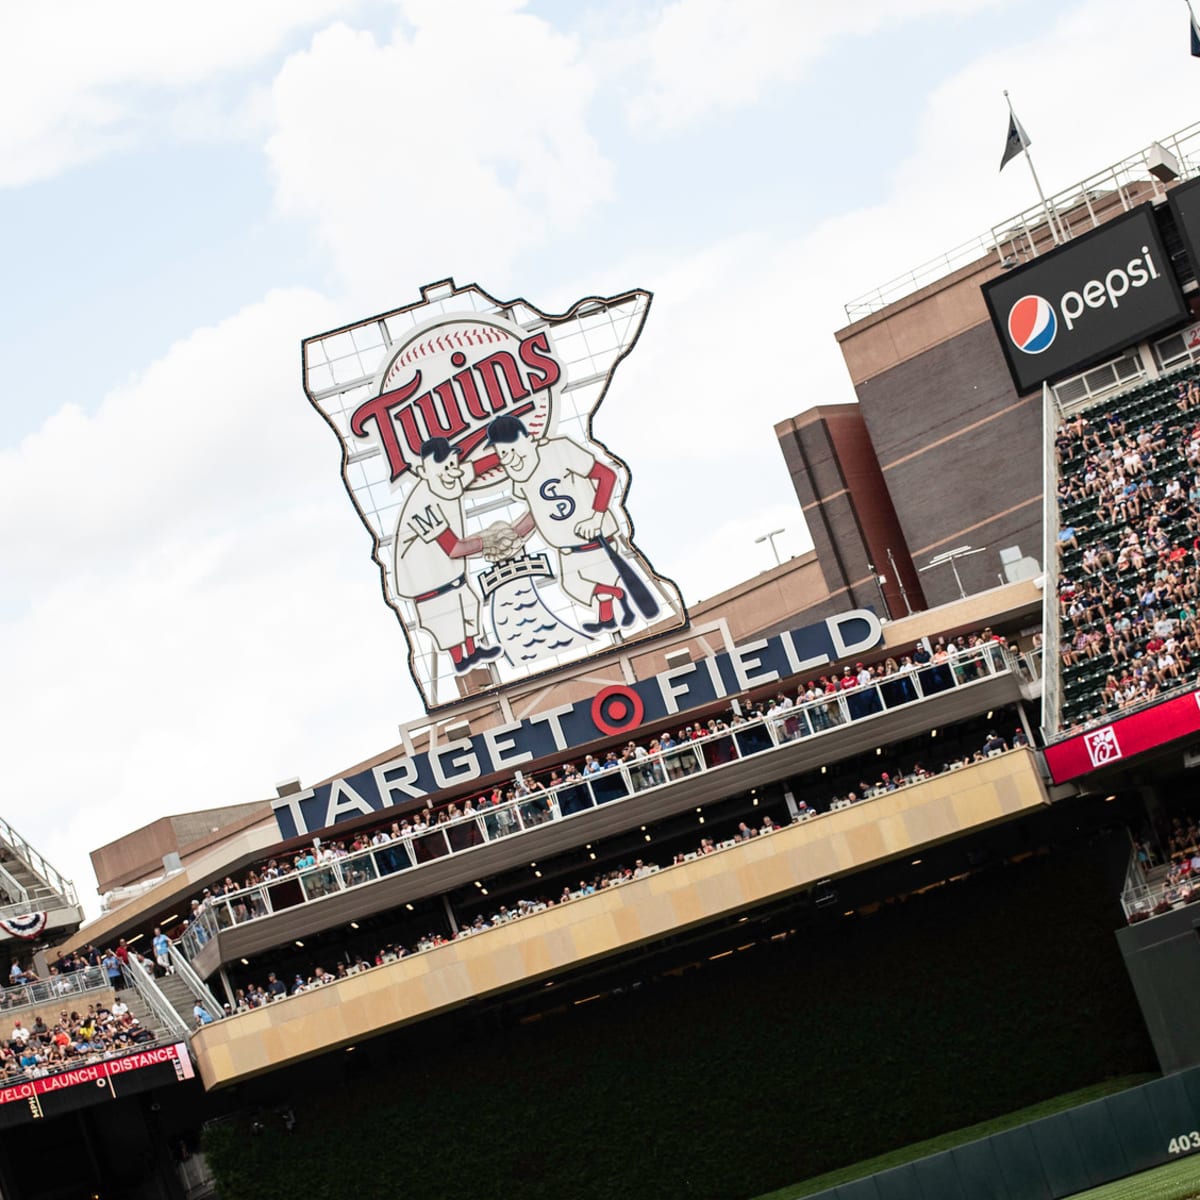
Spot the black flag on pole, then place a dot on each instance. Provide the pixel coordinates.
(1016, 141)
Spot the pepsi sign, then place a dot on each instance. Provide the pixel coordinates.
(1032, 325)
(1085, 301)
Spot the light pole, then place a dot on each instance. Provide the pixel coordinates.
(899, 580)
(770, 537)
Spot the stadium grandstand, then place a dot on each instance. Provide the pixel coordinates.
(832, 869)
(1127, 570)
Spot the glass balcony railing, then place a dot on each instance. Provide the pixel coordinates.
(607, 785)
(53, 989)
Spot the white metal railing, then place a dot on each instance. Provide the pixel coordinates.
(1014, 237)
(53, 989)
(138, 974)
(198, 988)
(1143, 900)
(614, 784)
(36, 863)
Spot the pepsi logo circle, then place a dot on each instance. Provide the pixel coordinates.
(1032, 324)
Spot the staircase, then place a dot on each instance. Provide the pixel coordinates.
(170, 1001)
(29, 884)
(39, 894)
(145, 1014)
(179, 997)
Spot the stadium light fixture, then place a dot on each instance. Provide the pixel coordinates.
(951, 557)
(770, 537)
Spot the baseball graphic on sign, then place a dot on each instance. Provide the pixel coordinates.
(499, 522)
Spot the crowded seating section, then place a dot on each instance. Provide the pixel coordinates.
(1129, 549)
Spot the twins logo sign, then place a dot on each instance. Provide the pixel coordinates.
(498, 522)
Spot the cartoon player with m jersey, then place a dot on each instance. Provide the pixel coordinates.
(431, 551)
(572, 505)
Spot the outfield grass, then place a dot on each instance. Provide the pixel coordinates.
(1176, 1181)
(947, 1141)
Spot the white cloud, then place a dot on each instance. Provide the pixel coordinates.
(698, 57)
(82, 79)
(191, 609)
(450, 148)
(172, 454)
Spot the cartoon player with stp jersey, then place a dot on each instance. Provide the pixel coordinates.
(570, 494)
(431, 550)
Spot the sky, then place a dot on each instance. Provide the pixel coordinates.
(188, 609)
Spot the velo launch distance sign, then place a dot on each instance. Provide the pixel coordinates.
(1085, 301)
(498, 521)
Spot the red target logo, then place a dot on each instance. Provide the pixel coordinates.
(617, 709)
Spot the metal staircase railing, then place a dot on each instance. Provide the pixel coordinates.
(37, 864)
(164, 1012)
(195, 985)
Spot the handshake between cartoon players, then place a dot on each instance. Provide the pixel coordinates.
(501, 542)
(571, 504)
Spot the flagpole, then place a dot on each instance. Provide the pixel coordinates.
(1056, 232)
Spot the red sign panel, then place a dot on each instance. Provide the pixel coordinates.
(1125, 737)
(51, 1095)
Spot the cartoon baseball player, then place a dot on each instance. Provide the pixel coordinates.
(430, 552)
(570, 494)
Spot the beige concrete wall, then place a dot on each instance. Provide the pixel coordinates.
(567, 936)
(177, 891)
(139, 855)
(1022, 599)
(928, 318)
